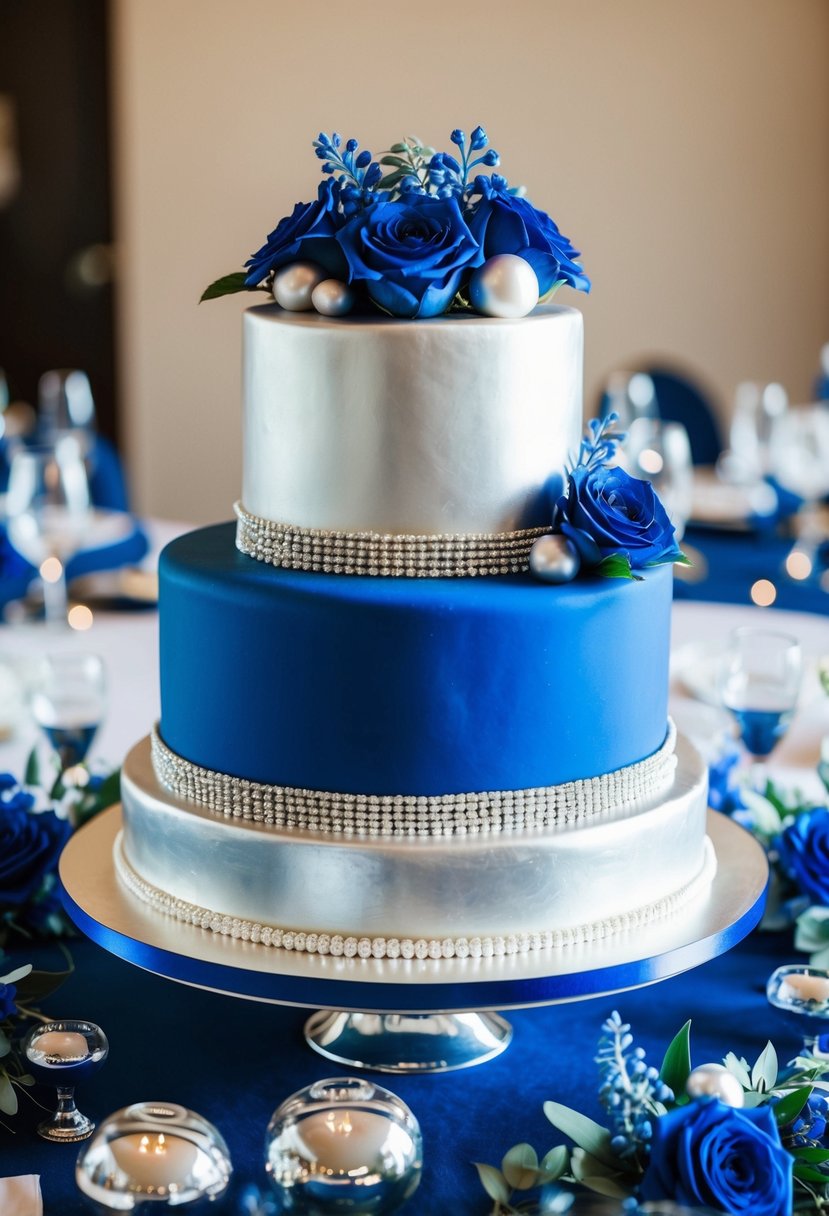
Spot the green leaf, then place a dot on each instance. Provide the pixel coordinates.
(555, 1163)
(676, 1066)
(397, 148)
(615, 565)
(108, 793)
(806, 1173)
(584, 1132)
(398, 161)
(31, 774)
(809, 1153)
(520, 1167)
(493, 1182)
(8, 1098)
(18, 974)
(791, 1104)
(228, 285)
(5, 1045)
(764, 1072)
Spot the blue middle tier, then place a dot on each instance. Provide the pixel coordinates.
(406, 686)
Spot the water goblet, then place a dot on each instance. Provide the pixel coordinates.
(760, 682)
(801, 994)
(62, 1054)
(660, 452)
(799, 452)
(48, 513)
(68, 703)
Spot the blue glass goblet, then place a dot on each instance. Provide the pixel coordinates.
(760, 682)
(62, 1054)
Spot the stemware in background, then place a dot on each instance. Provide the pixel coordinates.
(756, 407)
(62, 1054)
(630, 397)
(66, 407)
(660, 452)
(760, 684)
(799, 451)
(48, 513)
(68, 703)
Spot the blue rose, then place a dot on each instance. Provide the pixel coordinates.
(504, 223)
(711, 1155)
(308, 232)
(804, 852)
(412, 254)
(606, 511)
(30, 845)
(8, 1001)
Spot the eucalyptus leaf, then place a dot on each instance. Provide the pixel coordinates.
(791, 1104)
(40, 984)
(555, 1163)
(18, 974)
(5, 1044)
(228, 285)
(764, 1072)
(395, 160)
(676, 1065)
(584, 1132)
(27, 1079)
(8, 1098)
(493, 1182)
(606, 1186)
(397, 148)
(520, 1167)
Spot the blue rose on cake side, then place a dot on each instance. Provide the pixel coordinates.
(411, 255)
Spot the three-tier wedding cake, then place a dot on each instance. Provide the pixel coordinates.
(404, 710)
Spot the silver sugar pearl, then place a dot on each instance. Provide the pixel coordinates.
(505, 286)
(715, 1081)
(294, 284)
(343, 1145)
(332, 298)
(554, 559)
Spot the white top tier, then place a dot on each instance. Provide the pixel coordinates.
(452, 425)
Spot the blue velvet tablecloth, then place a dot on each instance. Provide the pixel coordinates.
(234, 1061)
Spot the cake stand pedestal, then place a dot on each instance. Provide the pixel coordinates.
(426, 1015)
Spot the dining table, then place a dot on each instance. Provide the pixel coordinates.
(235, 1060)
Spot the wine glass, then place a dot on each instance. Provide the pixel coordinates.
(799, 458)
(760, 683)
(801, 994)
(68, 703)
(48, 513)
(62, 1054)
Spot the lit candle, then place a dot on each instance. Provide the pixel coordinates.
(344, 1140)
(154, 1159)
(66, 1045)
(806, 987)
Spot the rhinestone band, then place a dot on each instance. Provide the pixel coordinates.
(386, 554)
(407, 815)
(339, 945)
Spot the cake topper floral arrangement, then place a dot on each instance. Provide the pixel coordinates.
(432, 233)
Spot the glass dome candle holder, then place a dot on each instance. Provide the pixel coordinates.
(62, 1054)
(343, 1145)
(152, 1157)
(801, 994)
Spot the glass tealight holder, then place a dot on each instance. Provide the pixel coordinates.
(801, 994)
(343, 1145)
(63, 1054)
(152, 1157)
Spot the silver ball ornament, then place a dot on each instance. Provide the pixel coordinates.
(505, 286)
(554, 559)
(293, 285)
(715, 1081)
(332, 298)
(343, 1145)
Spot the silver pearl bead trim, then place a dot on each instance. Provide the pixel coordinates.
(282, 806)
(384, 554)
(339, 945)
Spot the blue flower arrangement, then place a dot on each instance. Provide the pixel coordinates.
(728, 1137)
(432, 234)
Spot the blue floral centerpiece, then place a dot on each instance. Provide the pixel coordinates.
(416, 234)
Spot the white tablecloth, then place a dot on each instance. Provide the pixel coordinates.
(128, 644)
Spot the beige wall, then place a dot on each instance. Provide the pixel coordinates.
(682, 144)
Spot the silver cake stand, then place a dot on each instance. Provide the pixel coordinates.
(411, 1015)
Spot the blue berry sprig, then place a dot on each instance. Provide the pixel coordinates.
(631, 1092)
(448, 176)
(598, 447)
(356, 172)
